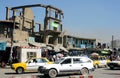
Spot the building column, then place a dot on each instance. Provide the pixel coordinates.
(46, 39)
(55, 40)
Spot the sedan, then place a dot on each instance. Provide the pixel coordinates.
(31, 64)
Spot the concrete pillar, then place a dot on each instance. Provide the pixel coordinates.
(40, 27)
(33, 26)
(46, 39)
(14, 13)
(50, 15)
(46, 20)
(7, 13)
(60, 26)
(55, 40)
(23, 19)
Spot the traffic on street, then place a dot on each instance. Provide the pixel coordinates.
(34, 43)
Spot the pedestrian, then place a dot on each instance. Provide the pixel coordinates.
(110, 57)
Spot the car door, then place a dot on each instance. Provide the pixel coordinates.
(102, 61)
(77, 64)
(40, 62)
(65, 66)
(31, 64)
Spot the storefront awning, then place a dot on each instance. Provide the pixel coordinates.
(17, 44)
(37, 44)
(56, 48)
(64, 49)
(49, 48)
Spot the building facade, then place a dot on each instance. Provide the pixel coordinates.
(19, 28)
(71, 42)
(115, 44)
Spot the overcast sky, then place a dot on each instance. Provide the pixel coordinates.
(98, 19)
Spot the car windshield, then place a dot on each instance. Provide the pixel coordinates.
(28, 60)
(94, 58)
(37, 60)
(59, 60)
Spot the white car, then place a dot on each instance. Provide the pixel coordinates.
(67, 65)
(31, 64)
(114, 64)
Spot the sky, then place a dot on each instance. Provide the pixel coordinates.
(99, 19)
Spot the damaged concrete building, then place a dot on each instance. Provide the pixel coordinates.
(19, 27)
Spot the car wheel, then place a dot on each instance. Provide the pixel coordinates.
(52, 73)
(39, 69)
(111, 68)
(46, 76)
(19, 70)
(84, 71)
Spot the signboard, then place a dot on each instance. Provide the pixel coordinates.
(105, 52)
(31, 39)
(82, 45)
(3, 46)
(54, 24)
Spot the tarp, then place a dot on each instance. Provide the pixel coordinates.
(3, 46)
(94, 54)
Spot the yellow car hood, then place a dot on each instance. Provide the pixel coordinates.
(50, 62)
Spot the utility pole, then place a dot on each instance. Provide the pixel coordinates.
(112, 41)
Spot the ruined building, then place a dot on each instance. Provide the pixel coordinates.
(19, 27)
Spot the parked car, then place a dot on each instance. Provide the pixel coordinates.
(31, 64)
(68, 65)
(114, 64)
(100, 61)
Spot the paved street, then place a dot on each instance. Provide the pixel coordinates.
(98, 73)
(106, 73)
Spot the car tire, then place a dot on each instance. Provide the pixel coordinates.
(52, 73)
(46, 76)
(19, 70)
(39, 69)
(111, 68)
(84, 71)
